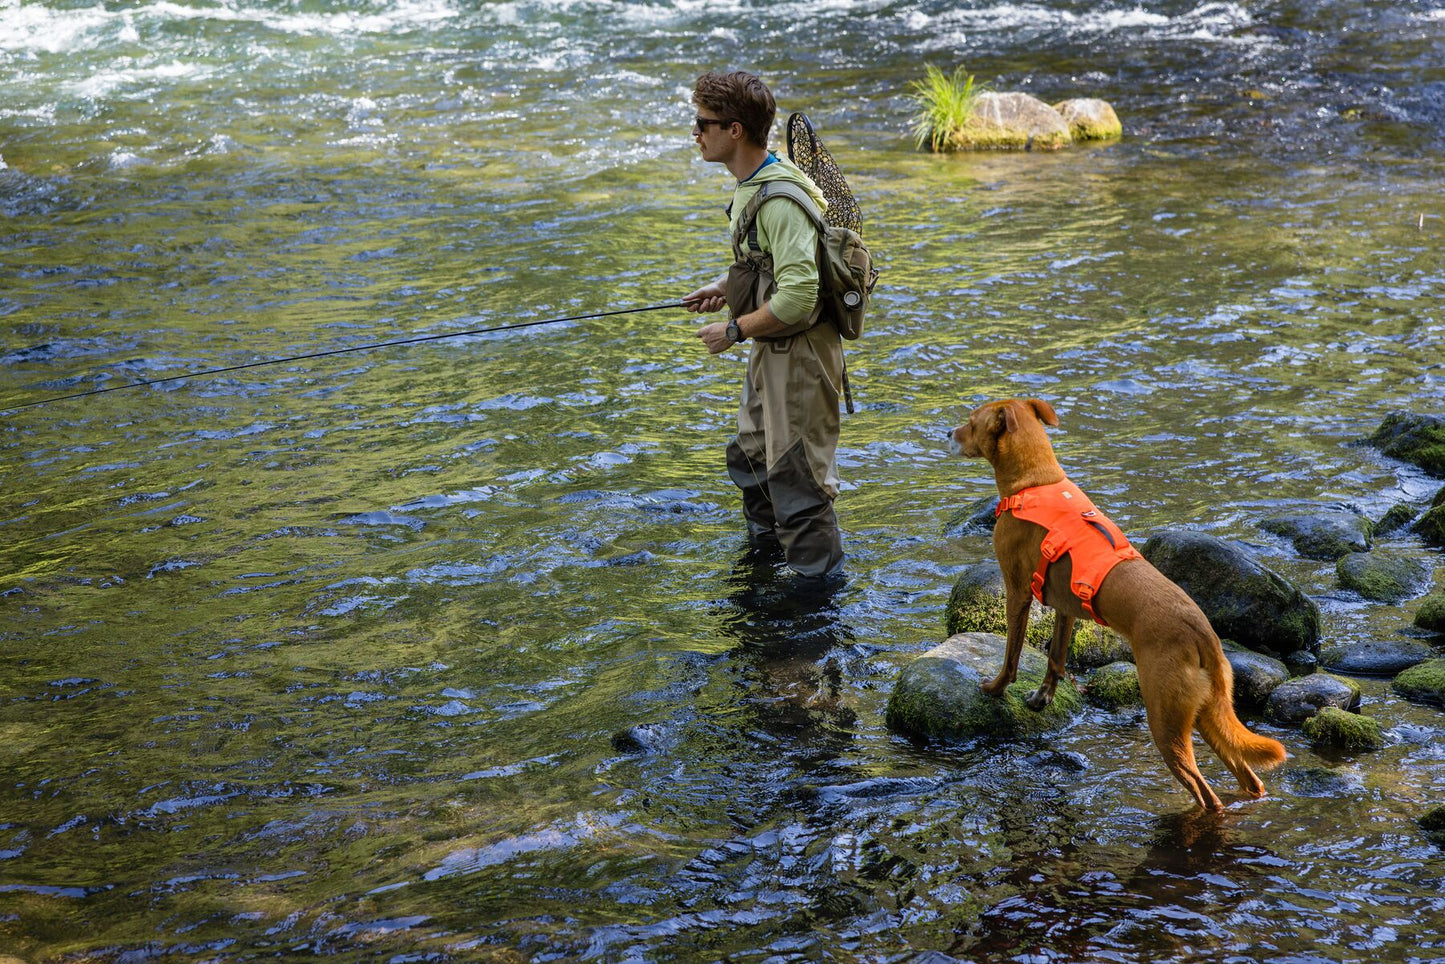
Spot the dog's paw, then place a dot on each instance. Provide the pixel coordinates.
(994, 687)
(1039, 700)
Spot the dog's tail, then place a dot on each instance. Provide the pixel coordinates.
(1235, 743)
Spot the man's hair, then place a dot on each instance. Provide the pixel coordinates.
(738, 96)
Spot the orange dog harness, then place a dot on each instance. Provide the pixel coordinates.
(1094, 544)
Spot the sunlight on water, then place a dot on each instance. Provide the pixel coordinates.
(452, 649)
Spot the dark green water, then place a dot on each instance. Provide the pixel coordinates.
(325, 659)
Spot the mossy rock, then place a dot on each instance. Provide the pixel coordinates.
(1325, 533)
(976, 605)
(1399, 517)
(1011, 122)
(1431, 527)
(1115, 686)
(1302, 697)
(1094, 645)
(976, 518)
(1432, 822)
(1423, 682)
(1375, 657)
(1243, 600)
(938, 696)
(1339, 729)
(1418, 439)
(1090, 119)
(1382, 577)
(1431, 614)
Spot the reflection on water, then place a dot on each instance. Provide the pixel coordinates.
(454, 650)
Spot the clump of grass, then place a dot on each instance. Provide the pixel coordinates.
(945, 103)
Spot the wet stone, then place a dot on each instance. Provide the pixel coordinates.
(1431, 614)
(1334, 728)
(1256, 675)
(1114, 686)
(1399, 516)
(938, 696)
(1243, 600)
(976, 605)
(1303, 697)
(1326, 533)
(1432, 824)
(1418, 439)
(1423, 682)
(975, 519)
(1431, 527)
(1375, 657)
(1382, 577)
(646, 738)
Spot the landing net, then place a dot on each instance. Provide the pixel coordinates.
(809, 154)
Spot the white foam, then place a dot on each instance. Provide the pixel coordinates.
(104, 82)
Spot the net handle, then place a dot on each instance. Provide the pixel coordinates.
(812, 137)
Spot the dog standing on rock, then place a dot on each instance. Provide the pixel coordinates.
(1053, 545)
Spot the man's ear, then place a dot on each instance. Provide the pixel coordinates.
(1044, 411)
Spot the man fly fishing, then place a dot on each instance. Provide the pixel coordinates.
(784, 456)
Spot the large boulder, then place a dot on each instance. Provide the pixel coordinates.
(1011, 121)
(1423, 682)
(977, 605)
(1337, 729)
(1304, 696)
(938, 696)
(1255, 674)
(1401, 514)
(1326, 533)
(1418, 439)
(1115, 686)
(1090, 119)
(1243, 600)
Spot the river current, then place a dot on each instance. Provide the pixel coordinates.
(330, 658)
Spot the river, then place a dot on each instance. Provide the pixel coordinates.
(327, 658)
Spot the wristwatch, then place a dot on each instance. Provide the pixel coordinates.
(733, 331)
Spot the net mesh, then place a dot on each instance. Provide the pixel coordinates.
(809, 154)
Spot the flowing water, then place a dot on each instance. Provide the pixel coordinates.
(328, 658)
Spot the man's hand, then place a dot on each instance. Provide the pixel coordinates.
(705, 299)
(715, 337)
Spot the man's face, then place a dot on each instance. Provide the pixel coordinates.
(713, 135)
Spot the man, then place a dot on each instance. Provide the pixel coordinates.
(784, 456)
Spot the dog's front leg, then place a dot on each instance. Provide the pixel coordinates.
(1040, 698)
(1017, 606)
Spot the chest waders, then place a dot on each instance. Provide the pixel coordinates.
(784, 458)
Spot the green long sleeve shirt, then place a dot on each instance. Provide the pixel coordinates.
(787, 233)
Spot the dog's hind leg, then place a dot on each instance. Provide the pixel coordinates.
(1017, 605)
(1040, 698)
(1173, 729)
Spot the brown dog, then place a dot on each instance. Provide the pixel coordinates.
(1183, 676)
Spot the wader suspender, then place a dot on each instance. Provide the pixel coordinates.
(749, 219)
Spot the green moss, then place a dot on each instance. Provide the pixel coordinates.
(1431, 526)
(1423, 682)
(1399, 516)
(1381, 577)
(1084, 128)
(1431, 614)
(978, 607)
(1115, 686)
(977, 136)
(1093, 645)
(1419, 439)
(1336, 728)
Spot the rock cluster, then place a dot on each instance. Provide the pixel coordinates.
(1017, 121)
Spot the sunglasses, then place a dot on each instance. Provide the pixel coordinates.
(700, 124)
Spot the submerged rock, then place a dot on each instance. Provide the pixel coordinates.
(1423, 682)
(1382, 577)
(1011, 121)
(1418, 439)
(976, 518)
(1115, 686)
(1090, 119)
(1338, 729)
(1431, 614)
(1303, 697)
(1375, 657)
(1326, 534)
(1399, 516)
(1244, 601)
(1255, 675)
(938, 696)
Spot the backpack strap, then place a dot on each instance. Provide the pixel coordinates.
(748, 222)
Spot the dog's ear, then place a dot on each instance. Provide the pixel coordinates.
(1008, 420)
(1044, 411)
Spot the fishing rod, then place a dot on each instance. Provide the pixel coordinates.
(338, 351)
